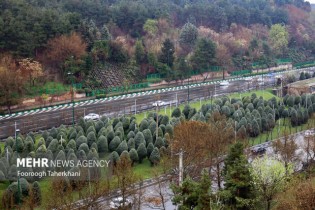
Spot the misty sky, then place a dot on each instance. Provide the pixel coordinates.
(311, 1)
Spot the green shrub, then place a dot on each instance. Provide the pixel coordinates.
(114, 144)
(142, 152)
(176, 112)
(150, 148)
(139, 139)
(131, 144)
(81, 140)
(122, 147)
(102, 144)
(84, 147)
(133, 155)
(155, 156)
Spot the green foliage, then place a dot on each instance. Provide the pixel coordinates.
(152, 126)
(102, 144)
(142, 152)
(92, 155)
(150, 26)
(114, 157)
(150, 148)
(53, 146)
(91, 138)
(186, 110)
(139, 52)
(114, 144)
(147, 136)
(176, 112)
(167, 53)
(238, 189)
(71, 145)
(159, 142)
(122, 147)
(84, 147)
(130, 135)
(278, 37)
(133, 155)
(36, 193)
(204, 55)
(12, 173)
(143, 125)
(81, 140)
(139, 139)
(131, 144)
(155, 156)
(269, 177)
(165, 120)
(188, 35)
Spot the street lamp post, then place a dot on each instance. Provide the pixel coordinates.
(72, 97)
(188, 88)
(16, 132)
(235, 128)
(168, 56)
(188, 82)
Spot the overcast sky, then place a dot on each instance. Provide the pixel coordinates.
(311, 1)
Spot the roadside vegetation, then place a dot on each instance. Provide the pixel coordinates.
(146, 145)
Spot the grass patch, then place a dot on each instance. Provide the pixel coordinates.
(278, 131)
(2, 144)
(266, 94)
(144, 170)
(47, 88)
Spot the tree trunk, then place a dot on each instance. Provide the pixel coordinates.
(9, 108)
(218, 175)
(268, 204)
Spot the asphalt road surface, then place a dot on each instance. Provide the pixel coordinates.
(123, 104)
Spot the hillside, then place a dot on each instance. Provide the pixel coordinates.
(169, 37)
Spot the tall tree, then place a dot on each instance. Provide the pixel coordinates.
(278, 38)
(167, 53)
(269, 177)
(150, 26)
(286, 148)
(125, 177)
(205, 54)
(140, 53)
(238, 188)
(31, 69)
(11, 85)
(65, 47)
(188, 36)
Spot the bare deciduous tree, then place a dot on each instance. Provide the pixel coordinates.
(286, 149)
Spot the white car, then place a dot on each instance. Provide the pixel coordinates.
(224, 83)
(92, 116)
(159, 103)
(117, 203)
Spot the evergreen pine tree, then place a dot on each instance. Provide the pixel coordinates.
(238, 191)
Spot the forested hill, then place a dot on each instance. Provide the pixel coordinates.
(116, 31)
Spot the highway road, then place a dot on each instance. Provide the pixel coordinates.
(42, 119)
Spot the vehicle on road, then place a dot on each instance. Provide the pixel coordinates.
(159, 103)
(118, 203)
(248, 79)
(224, 83)
(92, 116)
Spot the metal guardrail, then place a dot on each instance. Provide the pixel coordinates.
(51, 119)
